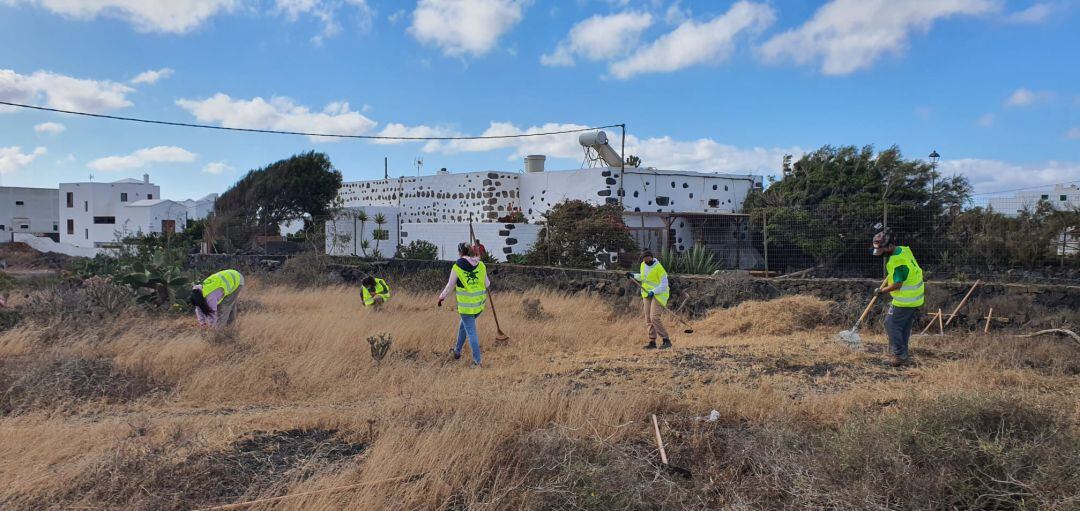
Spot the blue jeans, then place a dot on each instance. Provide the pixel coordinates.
(467, 327)
(898, 327)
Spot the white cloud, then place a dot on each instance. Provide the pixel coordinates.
(600, 38)
(987, 120)
(401, 130)
(992, 175)
(1035, 14)
(279, 113)
(1027, 97)
(152, 76)
(465, 27)
(1073, 133)
(168, 16)
(52, 128)
(217, 167)
(703, 154)
(694, 43)
(12, 158)
(396, 16)
(63, 92)
(848, 35)
(143, 157)
(327, 12)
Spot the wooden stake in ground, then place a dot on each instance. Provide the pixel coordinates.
(663, 453)
(989, 316)
(962, 302)
(933, 319)
(941, 327)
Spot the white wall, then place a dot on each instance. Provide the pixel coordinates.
(499, 239)
(98, 200)
(43, 244)
(479, 196)
(343, 234)
(38, 212)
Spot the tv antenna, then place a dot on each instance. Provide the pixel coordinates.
(419, 162)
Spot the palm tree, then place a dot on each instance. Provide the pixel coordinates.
(363, 218)
(380, 232)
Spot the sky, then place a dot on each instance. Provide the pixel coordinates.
(992, 85)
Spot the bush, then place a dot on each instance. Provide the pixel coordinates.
(579, 235)
(418, 249)
(696, 261)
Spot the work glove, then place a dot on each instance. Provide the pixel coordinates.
(650, 294)
(630, 275)
(440, 302)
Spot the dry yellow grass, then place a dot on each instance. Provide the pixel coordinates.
(300, 360)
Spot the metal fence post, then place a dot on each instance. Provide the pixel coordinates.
(765, 238)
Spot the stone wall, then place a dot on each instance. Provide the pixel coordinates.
(1033, 305)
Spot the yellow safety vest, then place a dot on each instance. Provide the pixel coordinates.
(227, 280)
(912, 291)
(472, 297)
(381, 289)
(652, 278)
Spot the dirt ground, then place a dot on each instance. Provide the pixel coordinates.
(144, 411)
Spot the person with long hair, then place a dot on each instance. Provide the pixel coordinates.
(215, 298)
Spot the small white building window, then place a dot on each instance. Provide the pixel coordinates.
(20, 203)
(123, 197)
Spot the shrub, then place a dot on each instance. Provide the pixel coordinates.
(696, 261)
(418, 249)
(577, 234)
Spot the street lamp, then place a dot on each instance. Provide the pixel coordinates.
(934, 156)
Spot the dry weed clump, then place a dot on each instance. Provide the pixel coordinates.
(61, 383)
(144, 475)
(532, 311)
(781, 316)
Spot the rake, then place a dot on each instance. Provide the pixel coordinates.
(851, 337)
(499, 335)
(689, 329)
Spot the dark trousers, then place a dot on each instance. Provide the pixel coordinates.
(898, 327)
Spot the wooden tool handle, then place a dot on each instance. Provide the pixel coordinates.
(659, 440)
(866, 310)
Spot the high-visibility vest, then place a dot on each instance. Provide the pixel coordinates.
(652, 277)
(227, 280)
(912, 291)
(381, 289)
(472, 297)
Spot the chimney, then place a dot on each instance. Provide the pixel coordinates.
(146, 178)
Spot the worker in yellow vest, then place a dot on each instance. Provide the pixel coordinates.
(374, 291)
(906, 286)
(654, 296)
(215, 298)
(469, 280)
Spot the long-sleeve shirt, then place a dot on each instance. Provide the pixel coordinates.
(452, 281)
(663, 286)
(212, 301)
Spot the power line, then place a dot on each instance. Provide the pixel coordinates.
(1049, 185)
(280, 132)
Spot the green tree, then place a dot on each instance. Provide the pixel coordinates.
(576, 234)
(825, 204)
(303, 186)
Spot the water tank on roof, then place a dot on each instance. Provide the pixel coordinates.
(535, 163)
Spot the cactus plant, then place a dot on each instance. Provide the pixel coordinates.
(380, 345)
(157, 282)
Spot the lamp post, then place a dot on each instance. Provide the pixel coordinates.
(934, 156)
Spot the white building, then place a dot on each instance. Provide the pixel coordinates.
(663, 208)
(28, 210)
(153, 216)
(198, 209)
(1061, 198)
(91, 214)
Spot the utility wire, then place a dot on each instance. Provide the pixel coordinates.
(280, 132)
(1049, 185)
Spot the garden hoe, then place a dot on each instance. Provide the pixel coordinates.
(689, 329)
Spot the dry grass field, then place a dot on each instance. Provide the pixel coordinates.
(143, 411)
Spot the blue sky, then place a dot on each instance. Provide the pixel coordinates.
(992, 85)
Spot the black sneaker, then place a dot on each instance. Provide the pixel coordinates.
(455, 354)
(651, 345)
(666, 345)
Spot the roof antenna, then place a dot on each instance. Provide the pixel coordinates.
(91, 176)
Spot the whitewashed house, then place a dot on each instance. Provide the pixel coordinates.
(30, 211)
(201, 208)
(153, 216)
(664, 209)
(90, 211)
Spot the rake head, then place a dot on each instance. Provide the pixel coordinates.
(851, 337)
